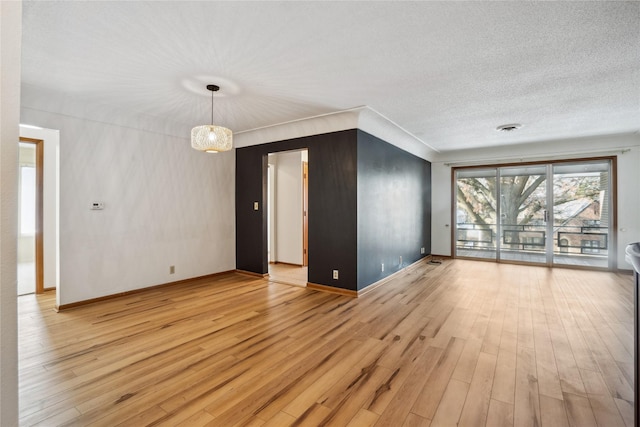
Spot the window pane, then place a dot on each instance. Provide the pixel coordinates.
(581, 213)
(476, 213)
(27, 200)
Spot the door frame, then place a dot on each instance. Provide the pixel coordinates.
(270, 210)
(39, 237)
(305, 215)
(548, 229)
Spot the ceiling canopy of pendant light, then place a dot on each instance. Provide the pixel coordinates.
(211, 138)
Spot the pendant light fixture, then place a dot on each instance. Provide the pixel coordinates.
(211, 138)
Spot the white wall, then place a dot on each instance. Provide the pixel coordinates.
(165, 203)
(441, 225)
(51, 176)
(628, 180)
(26, 242)
(288, 210)
(10, 36)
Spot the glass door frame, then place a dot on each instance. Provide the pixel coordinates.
(549, 183)
(611, 228)
(543, 171)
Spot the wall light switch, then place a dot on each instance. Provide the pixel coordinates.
(256, 206)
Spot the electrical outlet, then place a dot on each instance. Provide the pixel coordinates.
(382, 268)
(172, 269)
(335, 274)
(422, 251)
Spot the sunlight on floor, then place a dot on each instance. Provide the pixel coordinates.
(288, 274)
(26, 278)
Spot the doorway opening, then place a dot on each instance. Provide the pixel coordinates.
(30, 217)
(287, 217)
(554, 214)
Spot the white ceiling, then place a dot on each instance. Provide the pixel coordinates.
(447, 72)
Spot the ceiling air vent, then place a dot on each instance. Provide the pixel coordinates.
(509, 128)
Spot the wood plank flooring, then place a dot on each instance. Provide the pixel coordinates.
(464, 343)
(288, 274)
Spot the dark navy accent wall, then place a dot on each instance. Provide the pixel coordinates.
(332, 206)
(251, 225)
(369, 203)
(332, 212)
(394, 208)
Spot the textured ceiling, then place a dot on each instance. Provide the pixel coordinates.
(447, 72)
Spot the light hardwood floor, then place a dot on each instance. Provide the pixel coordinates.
(465, 342)
(288, 274)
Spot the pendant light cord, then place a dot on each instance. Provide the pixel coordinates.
(212, 88)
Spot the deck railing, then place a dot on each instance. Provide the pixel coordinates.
(567, 239)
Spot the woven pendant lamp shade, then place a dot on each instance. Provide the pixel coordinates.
(211, 138)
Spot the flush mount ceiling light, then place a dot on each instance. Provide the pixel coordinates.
(509, 128)
(211, 138)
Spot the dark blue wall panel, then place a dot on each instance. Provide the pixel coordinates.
(332, 206)
(369, 203)
(394, 208)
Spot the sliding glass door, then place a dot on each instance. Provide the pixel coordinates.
(476, 213)
(582, 214)
(555, 213)
(523, 214)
